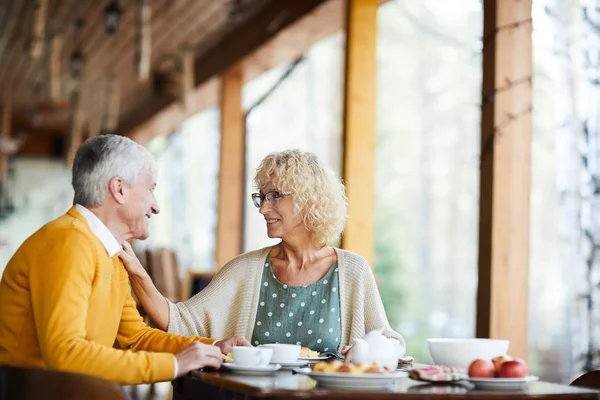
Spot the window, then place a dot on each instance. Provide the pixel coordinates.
(304, 113)
(427, 167)
(188, 165)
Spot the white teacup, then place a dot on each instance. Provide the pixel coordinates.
(283, 353)
(251, 356)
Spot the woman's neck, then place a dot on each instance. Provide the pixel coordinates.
(299, 255)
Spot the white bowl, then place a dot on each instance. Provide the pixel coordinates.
(461, 352)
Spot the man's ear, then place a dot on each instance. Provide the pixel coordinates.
(117, 188)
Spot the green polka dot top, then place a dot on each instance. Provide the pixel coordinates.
(305, 315)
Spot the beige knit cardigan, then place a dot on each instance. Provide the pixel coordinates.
(227, 306)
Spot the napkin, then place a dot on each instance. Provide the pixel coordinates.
(437, 373)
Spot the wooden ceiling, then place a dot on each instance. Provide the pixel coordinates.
(216, 33)
(175, 25)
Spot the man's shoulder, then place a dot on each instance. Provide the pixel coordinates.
(65, 229)
(61, 239)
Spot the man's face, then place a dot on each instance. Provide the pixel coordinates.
(140, 204)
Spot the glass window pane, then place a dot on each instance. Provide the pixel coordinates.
(188, 164)
(304, 112)
(427, 167)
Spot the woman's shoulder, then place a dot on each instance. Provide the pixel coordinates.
(247, 259)
(349, 259)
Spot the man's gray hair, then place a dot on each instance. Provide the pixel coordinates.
(100, 159)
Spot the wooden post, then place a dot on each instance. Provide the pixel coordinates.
(76, 126)
(359, 125)
(5, 134)
(188, 83)
(38, 35)
(143, 40)
(56, 48)
(110, 120)
(231, 171)
(502, 298)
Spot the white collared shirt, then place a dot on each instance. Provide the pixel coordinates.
(100, 230)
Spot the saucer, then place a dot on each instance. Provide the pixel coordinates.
(502, 383)
(353, 381)
(313, 360)
(250, 369)
(293, 364)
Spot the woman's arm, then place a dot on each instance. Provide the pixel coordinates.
(148, 295)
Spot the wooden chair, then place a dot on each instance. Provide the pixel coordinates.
(195, 283)
(33, 383)
(162, 268)
(588, 380)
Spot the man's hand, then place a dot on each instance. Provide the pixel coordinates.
(131, 262)
(225, 345)
(198, 355)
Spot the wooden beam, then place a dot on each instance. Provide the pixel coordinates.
(502, 296)
(168, 120)
(188, 83)
(359, 125)
(143, 40)
(5, 134)
(55, 66)
(76, 126)
(42, 146)
(229, 50)
(38, 36)
(110, 120)
(231, 171)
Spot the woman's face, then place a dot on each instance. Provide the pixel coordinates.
(282, 222)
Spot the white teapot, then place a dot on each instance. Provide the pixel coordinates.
(376, 348)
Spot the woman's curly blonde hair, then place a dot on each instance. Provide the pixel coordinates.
(318, 193)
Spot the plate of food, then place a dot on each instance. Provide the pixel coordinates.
(499, 373)
(336, 374)
(311, 356)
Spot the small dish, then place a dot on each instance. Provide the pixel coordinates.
(502, 383)
(344, 380)
(251, 370)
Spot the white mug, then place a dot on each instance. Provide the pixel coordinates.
(283, 353)
(251, 356)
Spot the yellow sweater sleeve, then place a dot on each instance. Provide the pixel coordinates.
(134, 334)
(60, 292)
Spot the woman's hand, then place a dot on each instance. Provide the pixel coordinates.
(346, 350)
(225, 345)
(131, 262)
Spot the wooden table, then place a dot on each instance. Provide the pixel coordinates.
(30, 383)
(285, 385)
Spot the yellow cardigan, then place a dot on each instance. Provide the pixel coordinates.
(63, 301)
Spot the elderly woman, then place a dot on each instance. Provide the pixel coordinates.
(299, 291)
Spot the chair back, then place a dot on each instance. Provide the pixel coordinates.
(34, 383)
(589, 380)
(162, 268)
(195, 283)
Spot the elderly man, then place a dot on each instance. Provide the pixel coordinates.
(65, 294)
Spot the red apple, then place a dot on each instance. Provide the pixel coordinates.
(498, 361)
(513, 369)
(482, 369)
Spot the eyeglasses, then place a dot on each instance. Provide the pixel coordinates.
(271, 198)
